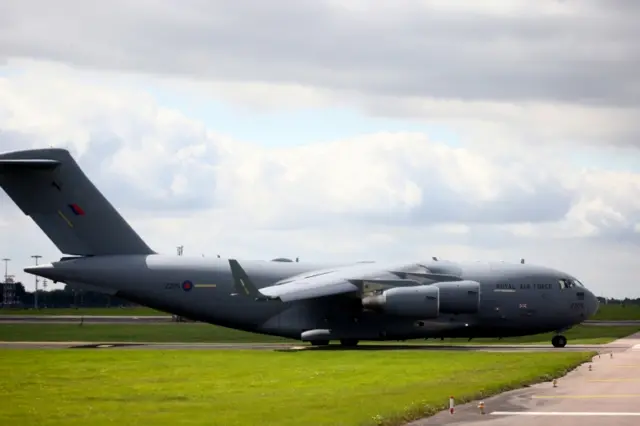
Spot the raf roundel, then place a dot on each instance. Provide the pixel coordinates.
(187, 285)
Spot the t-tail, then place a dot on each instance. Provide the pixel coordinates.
(49, 186)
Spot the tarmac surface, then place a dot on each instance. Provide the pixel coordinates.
(603, 392)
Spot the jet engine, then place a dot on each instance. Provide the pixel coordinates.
(419, 301)
(459, 297)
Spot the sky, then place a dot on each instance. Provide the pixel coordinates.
(340, 130)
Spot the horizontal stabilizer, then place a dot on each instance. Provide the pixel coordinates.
(11, 165)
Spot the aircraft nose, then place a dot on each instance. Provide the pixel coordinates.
(592, 304)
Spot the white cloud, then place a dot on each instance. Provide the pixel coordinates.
(549, 72)
(385, 195)
(521, 87)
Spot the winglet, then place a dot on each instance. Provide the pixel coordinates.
(243, 283)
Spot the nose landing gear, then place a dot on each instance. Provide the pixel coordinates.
(559, 341)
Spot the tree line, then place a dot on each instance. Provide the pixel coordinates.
(65, 298)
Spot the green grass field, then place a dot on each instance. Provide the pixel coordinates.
(197, 332)
(166, 388)
(617, 313)
(95, 332)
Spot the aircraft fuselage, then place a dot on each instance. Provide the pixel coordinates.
(514, 299)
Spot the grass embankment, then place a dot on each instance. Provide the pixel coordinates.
(159, 388)
(617, 313)
(196, 332)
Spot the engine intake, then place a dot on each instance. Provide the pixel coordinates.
(459, 297)
(419, 301)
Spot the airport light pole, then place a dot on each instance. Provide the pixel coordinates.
(35, 295)
(6, 268)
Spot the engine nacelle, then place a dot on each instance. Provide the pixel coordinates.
(459, 297)
(419, 301)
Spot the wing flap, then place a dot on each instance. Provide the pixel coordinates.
(323, 283)
(326, 284)
(309, 289)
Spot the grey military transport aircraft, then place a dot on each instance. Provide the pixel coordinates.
(311, 302)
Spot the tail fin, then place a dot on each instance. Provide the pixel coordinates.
(49, 186)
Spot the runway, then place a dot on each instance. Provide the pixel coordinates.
(605, 391)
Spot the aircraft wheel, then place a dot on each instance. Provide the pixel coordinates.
(349, 342)
(559, 341)
(320, 343)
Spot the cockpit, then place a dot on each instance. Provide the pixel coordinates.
(566, 283)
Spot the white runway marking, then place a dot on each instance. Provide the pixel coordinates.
(636, 348)
(560, 413)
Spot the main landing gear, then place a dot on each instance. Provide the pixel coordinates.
(559, 341)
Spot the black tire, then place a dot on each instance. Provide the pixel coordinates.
(559, 341)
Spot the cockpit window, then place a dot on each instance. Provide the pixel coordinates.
(565, 284)
(569, 283)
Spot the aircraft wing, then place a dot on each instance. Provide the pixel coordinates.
(343, 280)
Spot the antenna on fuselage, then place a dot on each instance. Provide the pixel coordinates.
(522, 260)
(435, 258)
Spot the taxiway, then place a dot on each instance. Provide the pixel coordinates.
(605, 391)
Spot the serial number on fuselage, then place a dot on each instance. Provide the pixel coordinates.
(524, 286)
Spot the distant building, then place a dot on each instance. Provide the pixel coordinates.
(9, 295)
